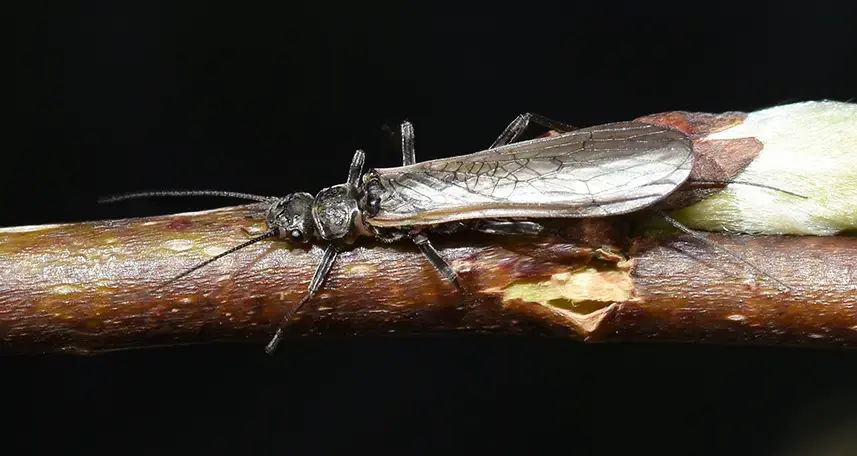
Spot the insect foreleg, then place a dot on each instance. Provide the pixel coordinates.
(321, 273)
(507, 227)
(520, 124)
(422, 241)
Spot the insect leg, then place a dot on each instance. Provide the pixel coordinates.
(520, 124)
(450, 227)
(409, 155)
(321, 273)
(555, 125)
(507, 227)
(356, 168)
(422, 241)
(512, 131)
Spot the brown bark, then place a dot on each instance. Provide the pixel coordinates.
(75, 287)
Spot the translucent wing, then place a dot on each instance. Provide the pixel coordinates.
(593, 172)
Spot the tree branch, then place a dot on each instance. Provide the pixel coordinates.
(76, 287)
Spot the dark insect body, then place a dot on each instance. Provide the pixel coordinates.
(606, 170)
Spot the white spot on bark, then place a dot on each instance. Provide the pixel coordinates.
(179, 245)
(65, 289)
(214, 250)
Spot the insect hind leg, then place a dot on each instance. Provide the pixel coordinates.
(515, 128)
(507, 227)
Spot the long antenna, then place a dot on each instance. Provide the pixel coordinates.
(704, 239)
(752, 184)
(266, 235)
(126, 196)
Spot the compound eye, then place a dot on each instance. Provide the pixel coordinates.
(296, 235)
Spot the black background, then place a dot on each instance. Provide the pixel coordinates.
(123, 96)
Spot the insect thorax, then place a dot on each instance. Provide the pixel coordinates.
(372, 193)
(337, 214)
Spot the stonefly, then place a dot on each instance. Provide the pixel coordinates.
(599, 171)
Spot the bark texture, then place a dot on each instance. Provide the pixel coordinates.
(76, 287)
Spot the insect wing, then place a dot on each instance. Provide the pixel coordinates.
(593, 172)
